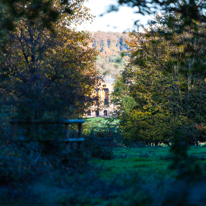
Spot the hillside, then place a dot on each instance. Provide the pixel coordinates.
(110, 45)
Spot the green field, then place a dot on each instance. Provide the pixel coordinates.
(100, 122)
(135, 176)
(147, 161)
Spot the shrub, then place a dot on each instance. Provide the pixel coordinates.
(18, 165)
(73, 161)
(100, 144)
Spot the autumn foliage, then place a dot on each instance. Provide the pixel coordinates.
(49, 73)
(110, 46)
(161, 92)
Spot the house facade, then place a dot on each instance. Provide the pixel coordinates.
(102, 107)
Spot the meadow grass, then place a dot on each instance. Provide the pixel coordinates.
(150, 162)
(101, 122)
(132, 174)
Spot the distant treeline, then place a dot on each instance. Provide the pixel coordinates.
(110, 45)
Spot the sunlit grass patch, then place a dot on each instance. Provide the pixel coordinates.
(101, 122)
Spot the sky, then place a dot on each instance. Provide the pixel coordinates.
(120, 21)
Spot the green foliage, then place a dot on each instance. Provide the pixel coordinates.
(44, 11)
(42, 76)
(161, 97)
(100, 143)
(158, 93)
(18, 164)
(141, 177)
(190, 11)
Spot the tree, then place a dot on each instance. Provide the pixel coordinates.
(166, 83)
(48, 73)
(190, 10)
(46, 11)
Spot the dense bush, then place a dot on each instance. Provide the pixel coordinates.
(100, 144)
(20, 164)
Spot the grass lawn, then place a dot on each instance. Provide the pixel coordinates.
(133, 177)
(99, 122)
(150, 162)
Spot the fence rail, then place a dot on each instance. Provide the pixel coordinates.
(67, 122)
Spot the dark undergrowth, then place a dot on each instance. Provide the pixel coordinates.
(104, 172)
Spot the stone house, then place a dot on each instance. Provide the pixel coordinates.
(103, 107)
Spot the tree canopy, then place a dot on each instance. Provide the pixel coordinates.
(48, 72)
(162, 90)
(189, 10)
(46, 11)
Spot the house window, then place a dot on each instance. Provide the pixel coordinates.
(89, 113)
(106, 90)
(105, 101)
(97, 113)
(105, 112)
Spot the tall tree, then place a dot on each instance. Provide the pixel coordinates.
(47, 72)
(165, 80)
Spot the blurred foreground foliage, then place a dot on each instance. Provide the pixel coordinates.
(36, 173)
